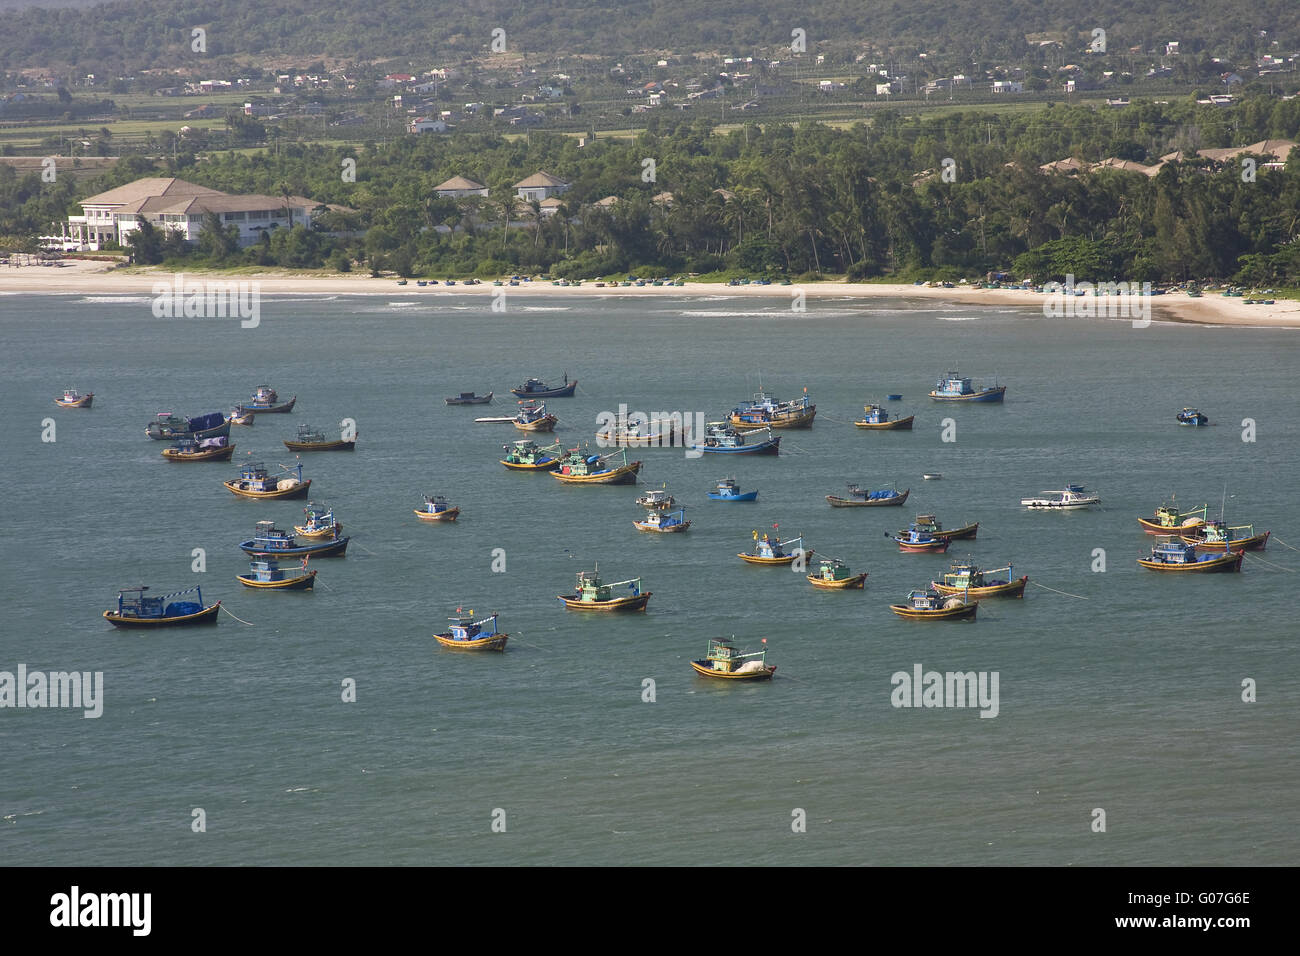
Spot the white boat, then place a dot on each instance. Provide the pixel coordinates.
(1071, 497)
(931, 476)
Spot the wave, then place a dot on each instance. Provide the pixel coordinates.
(116, 299)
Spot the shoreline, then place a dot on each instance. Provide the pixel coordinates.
(99, 278)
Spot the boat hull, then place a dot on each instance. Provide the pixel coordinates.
(1228, 562)
(771, 447)
(858, 581)
(899, 423)
(319, 533)
(623, 475)
(546, 424)
(938, 546)
(493, 642)
(1046, 504)
(302, 582)
(83, 402)
(207, 616)
(300, 491)
(995, 394)
(747, 496)
(661, 529)
(787, 559)
(209, 454)
(635, 603)
(1009, 589)
(1255, 542)
(565, 391)
(339, 445)
(1155, 527)
(937, 614)
(451, 514)
(837, 502)
(802, 420)
(705, 670)
(476, 400)
(328, 549)
(281, 409)
(968, 531)
(520, 466)
(161, 434)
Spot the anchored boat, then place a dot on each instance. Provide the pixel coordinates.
(878, 418)
(527, 455)
(721, 439)
(169, 427)
(930, 605)
(928, 524)
(592, 594)
(722, 660)
(320, 523)
(1070, 498)
(136, 609)
(861, 498)
(954, 388)
(536, 388)
(311, 439)
(835, 575)
(239, 417)
(581, 468)
(1218, 536)
(968, 578)
(638, 434)
(769, 550)
(1179, 556)
(534, 418)
(469, 398)
(1169, 520)
(467, 634)
(917, 540)
(74, 399)
(728, 490)
(436, 509)
(663, 521)
(266, 402)
(205, 449)
(267, 539)
(1190, 416)
(657, 498)
(255, 481)
(765, 412)
(264, 572)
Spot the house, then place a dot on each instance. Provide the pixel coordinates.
(1171, 48)
(1008, 86)
(459, 187)
(426, 125)
(541, 185)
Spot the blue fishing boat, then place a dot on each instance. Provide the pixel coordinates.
(663, 521)
(265, 572)
(1179, 556)
(728, 490)
(467, 634)
(136, 609)
(954, 388)
(169, 427)
(436, 508)
(270, 540)
(915, 540)
(877, 418)
(267, 402)
(721, 439)
(1190, 416)
(536, 388)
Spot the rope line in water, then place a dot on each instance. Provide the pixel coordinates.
(1278, 540)
(1268, 564)
(1054, 591)
(239, 619)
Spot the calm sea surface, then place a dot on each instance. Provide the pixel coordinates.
(1124, 697)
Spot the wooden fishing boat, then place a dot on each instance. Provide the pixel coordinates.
(1180, 557)
(928, 524)
(835, 575)
(722, 660)
(206, 449)
(664, 522)
(238, 417)
(169, 427)
(136, 609)
(1071, 498)
(765, 412)
(580, 468)
(638, 434)
(728, 490)
(527, 455)
(469, 398)
(1190, 416)
(1169, 520)
(954, 388)
(311, 439)
(878, 418)
(74, 399)
(1218, 536)
(266, 402)
(933, 606)
(967, 578)
(769, 550)
(721, 439)
(916, 540)
(592, 594)
(534, 418)
(467, 634)
(861, 498)
(255, 481)
(267, 539)
(264, 572)
(320, 523)
(536, 388)
(657, 499)
(436, 509)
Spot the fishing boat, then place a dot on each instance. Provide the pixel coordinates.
(769, 550)
(765, 412)
(968, 578)
(266, 402)
(436, 508)
(536, 388)
(638, 434)
(663, 521)
(928, 524)
(722, 660)
(267, 539)
(311, 439)
(496, 420)
(1169, 520)
(1179, 556)
(1218, 536)
(469, 398)
(205, 449)
(527, 455)
(264, 572)
(320, 523)
(878, 418)
(239, 417)
(1190, 416)
(592, 594)
(582, 468)
(169, 427)
(930, 605)
(74, 399)
(861, 498)
(915, 540)
(1070, 498)
(467, 634)
(931, 476)
(954, 388)
(835, 575)
(728, 490)
(657, 499)
(534, 418)
(136, 609)
(255, 481)
(721, 439)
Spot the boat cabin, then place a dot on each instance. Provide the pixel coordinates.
(1174, 552)
(832, 570)
(435, 504)
(133, 602)
(876, 414)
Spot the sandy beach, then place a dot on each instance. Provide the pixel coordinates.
(100, 278)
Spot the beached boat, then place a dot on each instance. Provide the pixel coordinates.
(469, 398)
(765, 412)
(657, 499)
(916, 540)
(1169, 520)
(169, 427)
(264, 572)
(467, 634)
(834, 575)
(1218, 536)
(954, 388)
(536, 388)
(721, 439)
(436, 508)
(769, 550)
(136, 609)
(663, 521)
(1070, 498)
(927, 523)
(320, 523)
(728, 490)
(968, 578)
(74, 399)
(582, 468)
(311, 439)
(534, 418)
(722, 660)
(205, 449)
(266, 402)
(592, 594)
(878, 418)
(268, 539)
(239, 417)
(930, 605)
(1179, 556)
(861, 498)
(1190, 416)
(255, 481)
(527, 455)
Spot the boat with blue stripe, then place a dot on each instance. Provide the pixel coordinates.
(955, 388)
(721, 439)
(270, 540)
(729, 490)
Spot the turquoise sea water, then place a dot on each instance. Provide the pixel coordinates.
(1126, 698)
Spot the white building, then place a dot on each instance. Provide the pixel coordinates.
(541, 185)
(458, 187)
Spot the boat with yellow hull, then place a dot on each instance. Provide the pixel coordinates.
(311, 439)
(579, 468)
(527, 455)
(592, 594)
(534, 418)
(932, 606)
(1217, 536)
(135, 609)
(255, 481)
(928, 524)
(769, 550)
(835, 575)
(208, 449)
(878, 418)
(74, 399)
(969, 579)
(723, 661)
(264, 572)
(1169, 520)
(320, 523)
(436, 509)
(467, 634)
(1181, 558)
